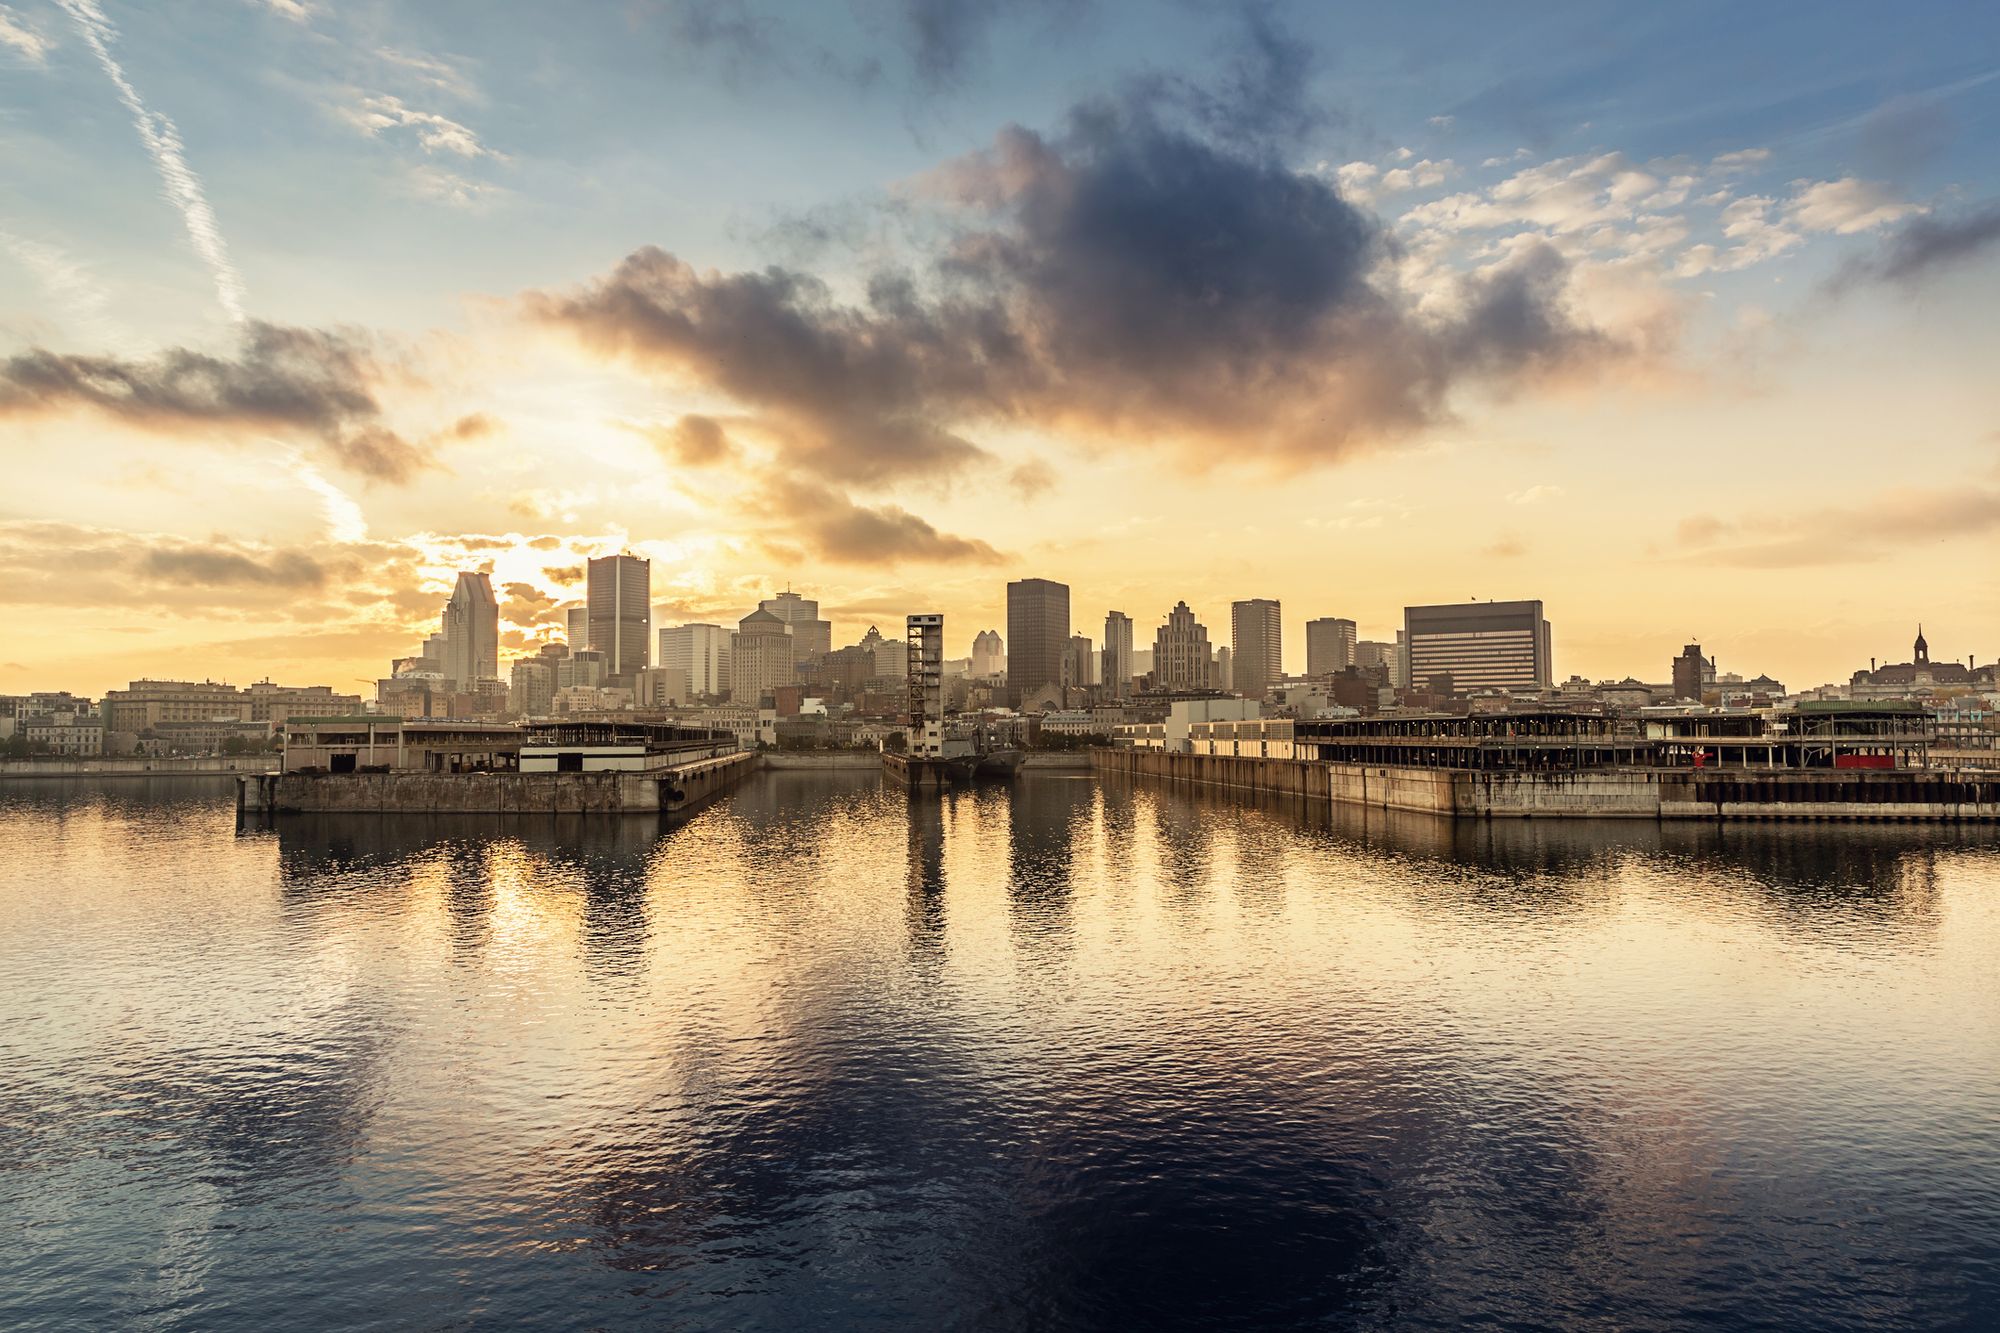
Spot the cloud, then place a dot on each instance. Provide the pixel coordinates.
(1504, 548)
(76, 291)
(836, 528)
(1534, 494)
(1845, 206)
(286, 380)
(377, 113)
(1128, 277)
(222, 568)
(163, 141)
(429, 181)
(1843, 534)
(1923, 247)
(1743, 159)
(24, 39)
(692, 441)
(298, 11)
(1032, 478)
(441, 75)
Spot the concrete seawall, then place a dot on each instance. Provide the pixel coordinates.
(134, 766)
(609, 793)
(820, 760)
(1590, 794)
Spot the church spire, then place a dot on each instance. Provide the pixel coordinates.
(1923, 649)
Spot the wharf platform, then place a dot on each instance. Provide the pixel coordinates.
(1589, 793)
(667, 789)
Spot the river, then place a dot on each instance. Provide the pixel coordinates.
(1061, 1054)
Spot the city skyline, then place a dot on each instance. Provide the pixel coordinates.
(1690, 348)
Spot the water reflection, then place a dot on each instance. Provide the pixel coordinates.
(1057, 1054)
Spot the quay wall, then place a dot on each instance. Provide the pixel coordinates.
(608, 793)
(1632, 793)
(138, 766)
(788, 760)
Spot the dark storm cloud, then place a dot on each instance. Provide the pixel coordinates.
(834, 527)
(1923, 247)
(282, 380)
(216, 567)
(1130, 277)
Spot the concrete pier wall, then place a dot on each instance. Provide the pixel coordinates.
(1590, 794)
(675, 789)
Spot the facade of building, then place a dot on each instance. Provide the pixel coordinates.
(925, 666)
(576, 626)
(1037, 635)
(761, 658)
(1079, 668)
(1479, 645)
(1920, 676)
(1331, 646)
(989, 654)
(661, 687)
(145, 704)
(1256, 646)
(1691, 673)
(471, 632)
(811, 636)
(531, 687)
(271, 702)
(73, 738)
(1181, 656)
(585, 667)
(703, 652)
(1115, 664)
(618, 593)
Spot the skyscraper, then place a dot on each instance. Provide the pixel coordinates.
(1181, 657)
(1330, 645)
(1115, 666)
(700, 650)
(811, 636)
(576, 627)
(471, 633)
(619, 593)
(989, 654)
(1037, 634)
(1480, 645)
(1256, 646)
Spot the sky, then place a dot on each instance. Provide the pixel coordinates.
(1677, 318)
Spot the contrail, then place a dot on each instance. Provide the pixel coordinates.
(178, 181)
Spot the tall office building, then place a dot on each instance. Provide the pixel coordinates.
(1256, 646)
(576, 627)
(531, 690)
(700, 650)
(471, 633)
(618, 592)
(811, 636)
(1037, 635)
(1479, 645)
(1181, 656)
(1330, 646)
(760, 658)
(1114, 667)
(989, 654)
(1077, 665)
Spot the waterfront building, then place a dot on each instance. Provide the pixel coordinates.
(1037, 635)
(703, 652)
(471, 632)
(761, 658)
(1256, 646)
(1479, 645)
(926, 681)
(1920, 676)
(1331, 646)
(70, 736)
(1181, 657)
(270, 702)
(145, 704)
(811, 636)
(1115, 665)
(618, 591)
